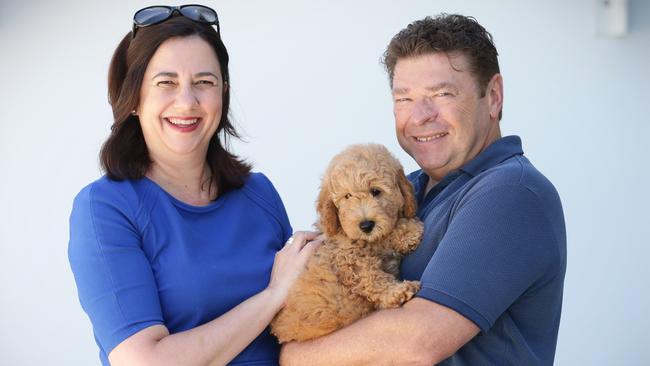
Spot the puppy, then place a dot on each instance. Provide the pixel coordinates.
(367, 212)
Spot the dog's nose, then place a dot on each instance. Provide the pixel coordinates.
(366, 226)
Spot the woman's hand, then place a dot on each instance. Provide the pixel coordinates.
(291, 261)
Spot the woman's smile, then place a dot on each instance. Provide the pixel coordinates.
(183, 124)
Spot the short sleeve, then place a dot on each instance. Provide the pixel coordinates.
(114, 279)
(498, 244)
(263, 192)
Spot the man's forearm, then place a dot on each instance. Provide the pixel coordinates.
(419, 333)
(374, 340)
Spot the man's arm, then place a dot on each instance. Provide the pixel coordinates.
(421, 332)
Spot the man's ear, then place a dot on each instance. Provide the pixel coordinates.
(494, 93)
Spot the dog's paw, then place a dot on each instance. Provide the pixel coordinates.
(408, 233)
(416, 231)
(399, 294)
(411, 288)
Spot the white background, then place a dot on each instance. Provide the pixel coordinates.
(306, 82)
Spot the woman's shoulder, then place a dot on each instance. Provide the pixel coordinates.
(259, 183)
(258, 188)
(106, 187)
(106, 191)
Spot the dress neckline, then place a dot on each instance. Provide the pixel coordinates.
(184, 205)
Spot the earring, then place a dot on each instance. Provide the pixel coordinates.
(134, 113)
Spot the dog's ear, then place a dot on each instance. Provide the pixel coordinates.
(328, 218)
(410, 206)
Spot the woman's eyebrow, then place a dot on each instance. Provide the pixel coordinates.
(175, 75)
(166, 73)
(206, 73)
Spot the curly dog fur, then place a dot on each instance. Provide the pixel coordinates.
(366, 210)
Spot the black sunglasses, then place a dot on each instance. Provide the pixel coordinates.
(152, 15)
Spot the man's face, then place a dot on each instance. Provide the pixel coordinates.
(440, 118)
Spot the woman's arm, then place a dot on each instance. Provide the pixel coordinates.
(220, 340)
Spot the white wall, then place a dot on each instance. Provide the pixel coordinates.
(307, 82)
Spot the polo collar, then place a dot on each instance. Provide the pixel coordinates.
(499, 151)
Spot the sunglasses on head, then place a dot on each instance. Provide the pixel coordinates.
(156, 14)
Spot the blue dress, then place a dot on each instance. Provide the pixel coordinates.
(140, 257)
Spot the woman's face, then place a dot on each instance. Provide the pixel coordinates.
(181, 99)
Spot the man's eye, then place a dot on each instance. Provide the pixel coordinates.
(401, 100)
(375, 192)
(444, 94)
(347, 195)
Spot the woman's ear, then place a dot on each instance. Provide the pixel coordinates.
(328, 218)
(410, 206)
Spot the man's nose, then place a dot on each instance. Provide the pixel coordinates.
(424, 111)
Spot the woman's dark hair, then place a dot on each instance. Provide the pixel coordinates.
(447, 33)
(124, 155)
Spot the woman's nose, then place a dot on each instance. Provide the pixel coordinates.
(186, 97)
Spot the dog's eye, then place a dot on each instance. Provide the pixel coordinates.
(375, 192)
(347, 195)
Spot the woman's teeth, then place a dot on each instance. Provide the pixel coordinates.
(183, 122)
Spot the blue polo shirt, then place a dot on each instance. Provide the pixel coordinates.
(494, 250)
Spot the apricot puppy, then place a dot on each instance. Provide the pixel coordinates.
(367, 212)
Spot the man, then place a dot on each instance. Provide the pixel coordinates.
(493, 256)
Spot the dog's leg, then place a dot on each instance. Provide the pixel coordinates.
(406, 236)
(366, 278)
(390, 261)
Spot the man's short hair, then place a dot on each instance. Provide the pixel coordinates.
(446, 33)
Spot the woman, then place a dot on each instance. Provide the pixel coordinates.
(174, 250)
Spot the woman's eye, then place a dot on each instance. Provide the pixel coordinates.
(375, 192)
(205, 82)
(165, 83)
(347, 195)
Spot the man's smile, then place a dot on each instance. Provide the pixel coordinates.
(428, 138)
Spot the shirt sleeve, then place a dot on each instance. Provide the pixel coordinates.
(114, 279)
(265, 193)
(498, 244)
